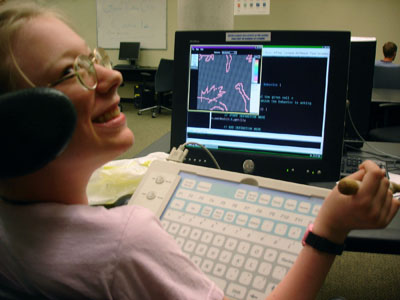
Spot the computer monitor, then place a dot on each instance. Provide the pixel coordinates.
(270, 103)
(359, 89)
(129, 51)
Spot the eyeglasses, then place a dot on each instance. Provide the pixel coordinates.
(84, 69)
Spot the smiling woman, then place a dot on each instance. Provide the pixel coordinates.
(54, 245)
(49, 205)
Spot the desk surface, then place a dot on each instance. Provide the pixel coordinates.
(386, 95)
(136, 73)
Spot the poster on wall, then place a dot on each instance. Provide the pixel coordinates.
(251, 7)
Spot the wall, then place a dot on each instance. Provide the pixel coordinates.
(361, 17)
(380, 19)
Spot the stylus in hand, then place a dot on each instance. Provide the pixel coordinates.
(349, 186)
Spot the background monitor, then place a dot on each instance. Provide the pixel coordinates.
(270, 103)
(359, 89)
(129, 51)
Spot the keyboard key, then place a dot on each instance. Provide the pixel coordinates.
(225, 256)
(188, 183)
(267, 226)
(279, 272)
(252, 196)
(245, 278)
(207, 265)
(254, 222)
(232, 273)
(256, 295)
(195, 234)
(240, 194)
(219, 270)
(236, 291)
(286, 259)
(277, 201)
(184, 231)
(212, 252)
(238, 260)
(196, 259)
(280, 229)
(264, 199)
(189, 246)
(242, 220)
(259, 282)
(270, 255)
(243, 247)
(201, 249)
(265, 268)
(304, 207)
(193, 208)
(207, 237)
(231, 244)
(256, 251)
(251, 264)
(290, 204)
(218, 240)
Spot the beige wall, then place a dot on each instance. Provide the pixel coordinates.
(380, 19)
(377, 18)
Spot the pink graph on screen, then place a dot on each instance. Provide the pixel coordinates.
(213, 95)
(239, 88)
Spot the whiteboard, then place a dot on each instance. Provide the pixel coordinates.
(143, 21)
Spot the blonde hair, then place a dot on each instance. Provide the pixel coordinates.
(13, 15)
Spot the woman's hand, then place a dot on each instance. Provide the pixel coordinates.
(372, 207)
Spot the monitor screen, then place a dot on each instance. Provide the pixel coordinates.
(269, 103)
(359, 89)
(129, 51)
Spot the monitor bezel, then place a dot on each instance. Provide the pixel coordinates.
(279, 167)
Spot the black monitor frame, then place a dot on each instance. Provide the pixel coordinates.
(280, 167)
(359, 89)
(129, 51)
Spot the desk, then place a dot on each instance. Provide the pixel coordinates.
(137, 74)
(383, 240)
(385, 95)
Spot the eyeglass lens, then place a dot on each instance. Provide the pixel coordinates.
(86, 72)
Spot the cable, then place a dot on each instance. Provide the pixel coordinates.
(207, 151)
(362, 139)
(178, 155)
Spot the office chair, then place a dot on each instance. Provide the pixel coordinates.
(387, 128)
(36, 125)
(163, 86)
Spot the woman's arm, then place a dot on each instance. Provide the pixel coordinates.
(372, 207)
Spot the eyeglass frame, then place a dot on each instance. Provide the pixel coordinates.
(92, 59)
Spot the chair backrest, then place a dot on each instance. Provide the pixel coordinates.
(386, 77)
(164, 80)
(36, 125)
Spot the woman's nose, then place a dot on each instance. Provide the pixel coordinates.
(107, 78)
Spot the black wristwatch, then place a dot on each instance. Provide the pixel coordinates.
(320, 243)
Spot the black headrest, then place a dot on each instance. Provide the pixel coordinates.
(35, 127)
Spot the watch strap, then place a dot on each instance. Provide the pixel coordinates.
(322, 244)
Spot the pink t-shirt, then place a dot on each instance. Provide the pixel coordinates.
(81, 252)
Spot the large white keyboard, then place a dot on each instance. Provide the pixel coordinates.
(243, 231)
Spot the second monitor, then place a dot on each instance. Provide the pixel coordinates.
(129, 51)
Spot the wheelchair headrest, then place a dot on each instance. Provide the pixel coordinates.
(35, 127)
